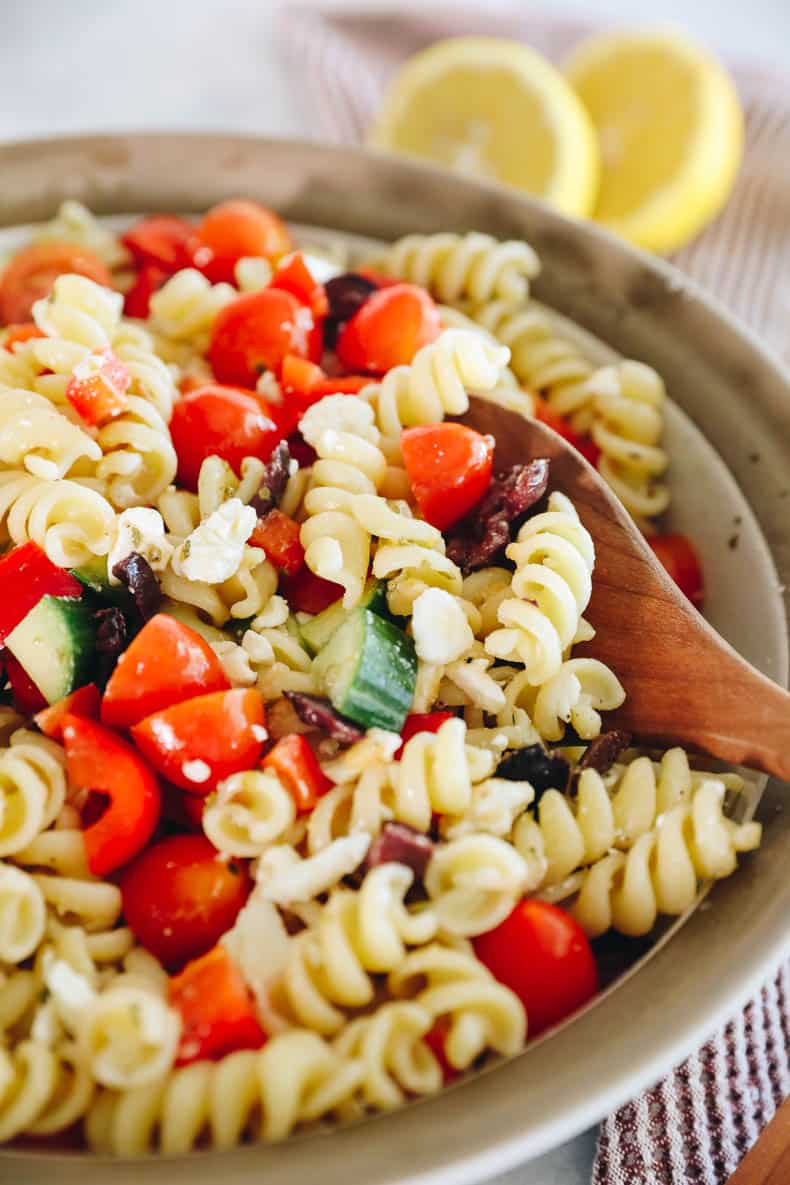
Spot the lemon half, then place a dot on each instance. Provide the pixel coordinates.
(670, 131)
(494, 109)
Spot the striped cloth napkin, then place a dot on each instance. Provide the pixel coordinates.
(695, 1126)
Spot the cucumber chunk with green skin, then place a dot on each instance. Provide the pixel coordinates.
(93, 578)
(317, 632)
(369, 671)
(56, 645)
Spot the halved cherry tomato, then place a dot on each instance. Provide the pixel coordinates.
(677, 554)
(421, 722)
(165, 664)
(449, 469)
(32, 272)
(83, 702)
(584, 444)
(160, 239)
(304, 383)
(294, 276)
(20, 333)
(220, 421)
(98, 385)
(278, 535)
(233, 230)
(198, 743)
(149, 279)
(180, 896)
(98, 760)
(307, 593)
(27, 697)
(389, 329)
(297, 767)
(542, 954)
(216, 1008)
(256, 331)
(436, 1040)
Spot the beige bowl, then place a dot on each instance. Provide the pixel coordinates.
(739, 397)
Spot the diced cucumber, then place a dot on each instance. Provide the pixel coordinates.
(93, 577)
(319, 629)
(56, 645)
(369, 671)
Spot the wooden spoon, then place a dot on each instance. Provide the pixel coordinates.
(685, 685)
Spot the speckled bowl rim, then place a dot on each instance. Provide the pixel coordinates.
(735, 391)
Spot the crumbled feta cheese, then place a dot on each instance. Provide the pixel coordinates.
(215, 549)
(285, 878)
(258, 943)
(139, 529)
(441, 631)
(269, 388)
(196, 771)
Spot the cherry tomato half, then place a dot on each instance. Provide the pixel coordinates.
(232, 230)
(542, 954)
(161, 240)
(32, 272)
(389, 329)
(449, 469)
(677, 554)
(220, 421)
(257, 331)
(180, 896)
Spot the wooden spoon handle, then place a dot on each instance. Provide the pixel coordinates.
(768, 1162)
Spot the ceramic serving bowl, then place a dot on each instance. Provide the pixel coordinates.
(733, 498)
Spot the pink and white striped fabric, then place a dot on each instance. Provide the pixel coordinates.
(695, 1126)
(344, 59)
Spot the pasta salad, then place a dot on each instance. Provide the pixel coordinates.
(307, 807)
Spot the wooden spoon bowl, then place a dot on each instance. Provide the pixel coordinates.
(685, 685)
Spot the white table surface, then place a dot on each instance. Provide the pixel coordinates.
(102, 65)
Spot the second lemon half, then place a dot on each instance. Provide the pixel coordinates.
(496, 110)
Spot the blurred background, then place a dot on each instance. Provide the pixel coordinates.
(93, 65)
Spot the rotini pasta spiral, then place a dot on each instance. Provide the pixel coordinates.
(71, 522)
(139, 461)
(42, 1090)
(397, 1063)
(245, 594)
(80, 312)
(554, 558)
(627, 428)
(474, 882)
(453, 986)
(456, 267)
(35, 435)
(247, 813)
(22, 914)
(580, 690)
(60, 871)
(185, 307)
(350, 466)
(75, 223)
(662, 871)
(434, 385)
(358, 933)
(128, 1035)
(296, 1078)
(150, 378)
(32, 789)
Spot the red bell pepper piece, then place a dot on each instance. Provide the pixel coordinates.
(216, 1008)
(22, 332)
(85, 701)
(27, 697)
(97, 388)
(98, 760)
(678, 556)
(278, 535)
(307, 593)
(303, 383)
(166, 663)
(421, 722)
(198, 743)
(582, 443)
(297, 767)
(137, 301)
(294, 276)
(26, 575)
(449, 469)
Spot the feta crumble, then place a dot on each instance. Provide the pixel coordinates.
(139, 529)
(215, 549)
(440, 627)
